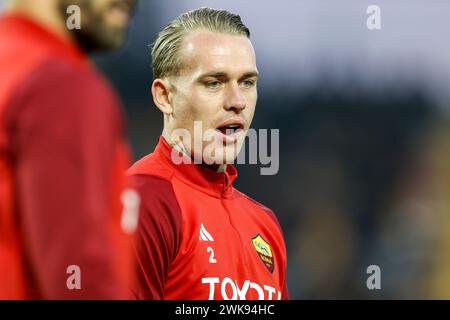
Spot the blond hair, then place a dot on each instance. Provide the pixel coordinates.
(166, 57)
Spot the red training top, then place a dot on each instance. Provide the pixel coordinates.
(62, 158)
(199, 238)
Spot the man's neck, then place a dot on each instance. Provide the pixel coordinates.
(179, 146)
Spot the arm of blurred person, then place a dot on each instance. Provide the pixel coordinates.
(67, 125)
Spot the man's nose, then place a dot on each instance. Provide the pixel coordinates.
(235, 100)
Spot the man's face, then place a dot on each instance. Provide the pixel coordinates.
(217, 86)
(104, 23)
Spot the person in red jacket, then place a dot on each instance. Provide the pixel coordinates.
(198, 237)
(62, 154)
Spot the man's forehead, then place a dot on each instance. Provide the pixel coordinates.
(206, 49)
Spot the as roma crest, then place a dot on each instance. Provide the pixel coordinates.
(264, 252)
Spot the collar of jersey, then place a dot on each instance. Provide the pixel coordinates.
(196, 175)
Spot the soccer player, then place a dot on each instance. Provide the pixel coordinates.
(62, 154)
(199, 237)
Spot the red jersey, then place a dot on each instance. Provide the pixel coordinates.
(200, 238)
(62, 158)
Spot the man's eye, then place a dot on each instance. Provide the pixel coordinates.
(248, 83)
(213, 84)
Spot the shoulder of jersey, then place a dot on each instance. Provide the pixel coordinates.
(148, 165)
(259, 206)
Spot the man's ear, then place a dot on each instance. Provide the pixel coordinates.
(161, 95)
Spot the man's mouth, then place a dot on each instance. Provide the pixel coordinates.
(231, 130)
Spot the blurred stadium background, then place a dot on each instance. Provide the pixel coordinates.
(364, 136)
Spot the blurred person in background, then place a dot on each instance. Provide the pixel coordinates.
(199, 237)
(62, 153)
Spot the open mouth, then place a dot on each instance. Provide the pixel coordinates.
(230, 129)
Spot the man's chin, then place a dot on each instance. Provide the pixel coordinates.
(95, 41)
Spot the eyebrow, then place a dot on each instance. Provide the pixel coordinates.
(225, 75)
(250, 75)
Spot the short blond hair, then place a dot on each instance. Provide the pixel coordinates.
(166, 57)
